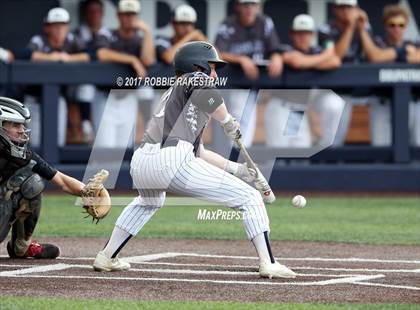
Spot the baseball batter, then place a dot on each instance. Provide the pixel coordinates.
(172, 158)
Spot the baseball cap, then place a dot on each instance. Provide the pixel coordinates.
(57, 15)
(129, 6)
(185, 13)
(248, 1)
(303, 22)
(346, 2)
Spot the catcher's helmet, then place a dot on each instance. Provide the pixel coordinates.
(197, 54)
(15, 112)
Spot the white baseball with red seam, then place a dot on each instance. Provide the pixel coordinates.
(299, 201)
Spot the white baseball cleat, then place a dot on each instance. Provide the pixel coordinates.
(276, 270)
(103, 263)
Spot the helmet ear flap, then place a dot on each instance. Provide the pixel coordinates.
(204, 66)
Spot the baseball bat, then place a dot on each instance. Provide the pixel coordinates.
(266, 192)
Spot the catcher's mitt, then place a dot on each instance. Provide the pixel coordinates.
(95, 197)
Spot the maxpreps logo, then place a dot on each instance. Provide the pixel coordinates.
(222, 215)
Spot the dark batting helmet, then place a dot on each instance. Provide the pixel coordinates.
(195, 55)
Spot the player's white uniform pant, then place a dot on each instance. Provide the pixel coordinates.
(114, 118)
(115, 115)
(177, 170)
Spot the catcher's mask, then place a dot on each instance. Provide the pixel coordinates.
(194, 55)
(14, 136)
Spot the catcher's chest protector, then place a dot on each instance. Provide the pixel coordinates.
(20, 203)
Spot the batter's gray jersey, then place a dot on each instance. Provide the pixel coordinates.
(184, 110)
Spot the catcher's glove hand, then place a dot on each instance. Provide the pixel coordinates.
(95, 197)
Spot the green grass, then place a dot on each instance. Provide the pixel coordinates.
(368, 220)
(24, 303)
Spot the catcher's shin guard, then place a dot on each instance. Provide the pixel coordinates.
(6, 214)
(26, 218)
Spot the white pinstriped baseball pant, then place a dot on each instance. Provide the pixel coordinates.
(177, 170)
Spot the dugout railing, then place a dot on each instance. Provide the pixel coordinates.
(352, 167)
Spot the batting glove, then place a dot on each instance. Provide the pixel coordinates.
(260, 183)
(231, 128)
(246, 173)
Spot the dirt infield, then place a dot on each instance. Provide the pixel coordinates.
(220, 270)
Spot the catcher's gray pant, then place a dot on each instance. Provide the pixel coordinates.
(177, 170)
(21, 217)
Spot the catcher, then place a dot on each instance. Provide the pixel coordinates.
(22, 172)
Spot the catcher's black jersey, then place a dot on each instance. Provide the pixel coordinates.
(184, 110)
(9, 165)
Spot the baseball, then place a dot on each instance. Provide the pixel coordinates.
(299, 201)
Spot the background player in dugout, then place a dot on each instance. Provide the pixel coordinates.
(132, 43)
(172, 158)
(22, 172)
(393, 47)
(94, 36)
(285, 110)
(248, 38)
(183, 24)
(56, 44)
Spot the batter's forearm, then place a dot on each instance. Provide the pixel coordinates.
(220, 113)
(213, 158)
